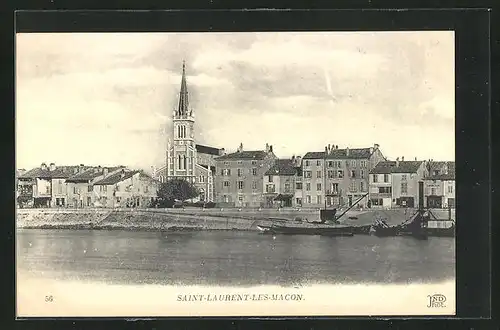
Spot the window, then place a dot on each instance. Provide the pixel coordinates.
(298, 185)
(240, 172)
(308, 199)
(433, 191)
(240, 162)
(240, 199)
(386, 177)
(254, 185)
(118, 199)
(298, 201)
(254, 171)
(59, 188)
(334, 188)
(307, 163)
(287, 187)
(75, 190)
(450, 189)
(47, 190)
(318, 199)
(307, 174)
(362, 163)
(340, 174)
(240, 184)
(90, 188)
(89, 201)
(330, 163)
(226, 163)
(375, 177)
(226, 183)
(146, 189)
(254, 162)
(403, 177)
(404, 188)
(269, 178)
(228, 171)
(362, 186)
(308, 186)
(384, 190)
(270, 188)
(202, 179)
(318, 187)
(353, 163)
(318, 174)
(331, 174)
(353, 173)
(352, 186)
(318, 163)
(362, 174)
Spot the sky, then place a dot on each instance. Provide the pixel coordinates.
(107, 98)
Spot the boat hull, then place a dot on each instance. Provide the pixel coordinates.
(290, 230)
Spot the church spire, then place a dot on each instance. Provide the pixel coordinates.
(183, 109)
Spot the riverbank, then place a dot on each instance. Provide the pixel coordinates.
(189, 219)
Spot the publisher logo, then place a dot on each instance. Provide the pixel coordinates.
(436, 301)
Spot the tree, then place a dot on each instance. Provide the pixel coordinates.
(175, 189)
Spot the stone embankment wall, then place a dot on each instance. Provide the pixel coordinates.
(192, 218)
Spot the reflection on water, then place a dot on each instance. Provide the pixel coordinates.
(235, 258)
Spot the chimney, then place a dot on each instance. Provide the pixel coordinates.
(371, 150)
(397, 162)
(347, 151)
(240, 148)
(329, 147)
(222, 152)
(52, 167)
(376, 146)
(403, 158)
(326, 150)
(267, 147)
(105, 171)
(270, 148)
(336, 146)
(75, 170)
(43, 166)
(122, 174)
(415, 158)
(298, 161)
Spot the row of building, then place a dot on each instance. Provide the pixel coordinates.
(85, 186)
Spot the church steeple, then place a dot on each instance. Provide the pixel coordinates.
(183, 109)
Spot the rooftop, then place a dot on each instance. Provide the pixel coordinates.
(283, 167)
(116, 177)
(207, 150)
(91, 174)
(386, 167)
(356, 153)
(244, 155)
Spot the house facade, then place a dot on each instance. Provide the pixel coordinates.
(338, 177)
(125, 188)
(439, 185)
(396, 183)
(280, 184)
(239, 181)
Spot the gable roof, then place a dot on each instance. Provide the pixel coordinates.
(244, 155)
(115, 178)
(314, 155)
(60, 172)
(387, 167)
(449, 175)
(91, 174)
(282, 167)
(207, 150)
(356, 153)
(383, 167)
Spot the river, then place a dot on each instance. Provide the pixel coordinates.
(231, 258)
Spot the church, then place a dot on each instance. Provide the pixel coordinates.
(185, 159)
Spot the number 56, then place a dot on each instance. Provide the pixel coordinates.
(49, 299)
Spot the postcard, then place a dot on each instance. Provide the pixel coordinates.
(235, 174)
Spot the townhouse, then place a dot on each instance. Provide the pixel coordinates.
(280, 183)
(338, 177)
(126, 188)
(439, 185)
(396, 183)
(239, 179)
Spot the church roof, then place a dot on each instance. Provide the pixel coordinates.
(183, 109)
(207, 150)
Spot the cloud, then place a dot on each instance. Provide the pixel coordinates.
(115, 92)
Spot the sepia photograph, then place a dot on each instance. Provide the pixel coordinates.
(235, 174)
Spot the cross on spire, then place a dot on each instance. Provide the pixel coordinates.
(183, 109)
